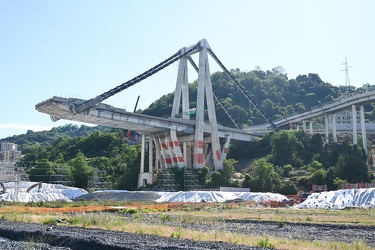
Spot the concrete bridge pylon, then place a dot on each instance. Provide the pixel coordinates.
(204, 147)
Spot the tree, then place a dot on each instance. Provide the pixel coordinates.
(265, 178)
(316, 144)
(228, 169)
(318, 177)
(289, 187)
(286, 170)
(202, 174)
(286, 148)
(314, 166)
(216, 179)
(351, 165)
(80, 170)
(41, 171)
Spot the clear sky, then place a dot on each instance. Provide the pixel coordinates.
(83, 48)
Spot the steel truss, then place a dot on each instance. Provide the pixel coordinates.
(166, 181)
(99, 181)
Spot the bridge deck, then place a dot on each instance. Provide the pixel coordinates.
(328, 108)
(106, 115)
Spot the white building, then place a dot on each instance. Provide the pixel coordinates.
(9, 152)
(346, 117)
(6, 146)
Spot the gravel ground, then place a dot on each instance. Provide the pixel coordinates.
(36, 236)
(290, 230)
(22, 236)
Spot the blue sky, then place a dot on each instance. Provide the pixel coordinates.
(84, 48)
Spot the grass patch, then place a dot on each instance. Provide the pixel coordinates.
(264, 242)
(50, 222)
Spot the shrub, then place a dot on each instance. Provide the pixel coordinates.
(264, 243)
(73, 221)
(164, 218)
(51, 222)
(281, 223)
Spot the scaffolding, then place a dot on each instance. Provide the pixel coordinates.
(21, 172)
(191, 182)
(166, 181)
(99, 181)
(11, 171)
(60, 175)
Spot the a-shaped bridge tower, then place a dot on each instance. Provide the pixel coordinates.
(171, 142)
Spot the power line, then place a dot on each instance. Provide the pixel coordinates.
(83, 26)
(71, 30)
(66, 47)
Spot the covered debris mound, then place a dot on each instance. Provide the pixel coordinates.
(190, 196)
(21, 192)
(118, 195)
(341, 199)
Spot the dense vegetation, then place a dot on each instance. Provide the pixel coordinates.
(282, 161)
(84, 151)
(277, 95)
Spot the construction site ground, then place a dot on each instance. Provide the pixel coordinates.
(281, 226)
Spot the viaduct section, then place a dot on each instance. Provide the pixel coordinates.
(352, 105)
(179, 141)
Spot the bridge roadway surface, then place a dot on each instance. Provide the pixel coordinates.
(332, 107)
(106, 115)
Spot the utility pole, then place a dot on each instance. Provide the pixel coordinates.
(347, 87)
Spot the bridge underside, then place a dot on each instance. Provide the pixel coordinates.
(106, 115)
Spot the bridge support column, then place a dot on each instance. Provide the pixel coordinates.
(143, 153)
(304, 125)
(311, 127)
(207, 156)
(334, 130)
(187, 154)
(178, 159)
(354, 120)
(144, 178)
(181, 91)
(157, 157)
(224, 150)
(159, 153)
(216, 149)
(205, 90)
(150, 156)
(199, 122)
(326, 125)
(363, 128)
(164, 150)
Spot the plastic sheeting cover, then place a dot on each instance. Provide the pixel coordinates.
(218, 196)
(32, 197)
(48, 192)
(340, 199)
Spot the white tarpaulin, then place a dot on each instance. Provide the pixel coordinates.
(12, 196)
(340, 199)
(48, 192)
(218, 196)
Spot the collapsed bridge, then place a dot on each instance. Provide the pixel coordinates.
(175, 141)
